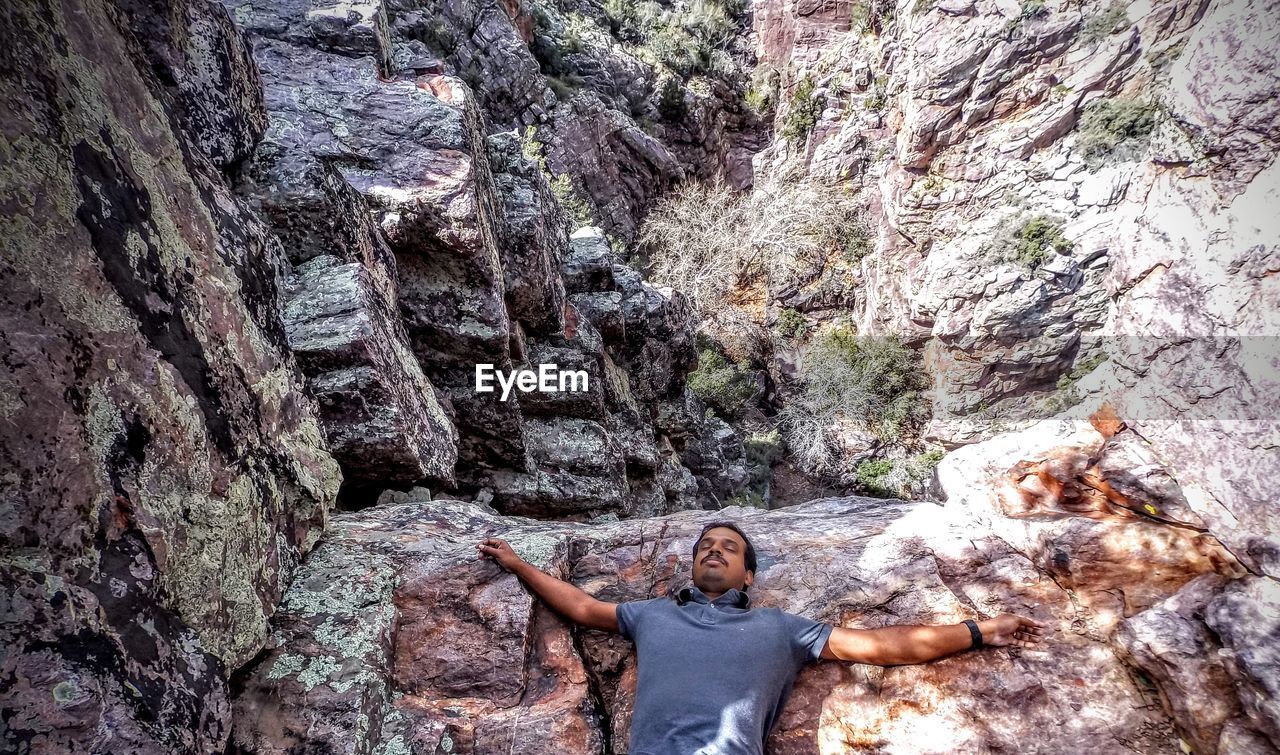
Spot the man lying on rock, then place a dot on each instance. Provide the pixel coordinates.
(713, 673)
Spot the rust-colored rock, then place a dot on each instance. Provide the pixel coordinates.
(469, 662)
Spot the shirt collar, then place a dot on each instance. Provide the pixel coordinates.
(733, 598)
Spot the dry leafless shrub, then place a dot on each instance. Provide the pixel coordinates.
(711, 242)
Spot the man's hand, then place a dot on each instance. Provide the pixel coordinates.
(499, 550)
(569, 601)
(1008, 629)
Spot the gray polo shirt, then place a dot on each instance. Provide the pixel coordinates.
(713, 676)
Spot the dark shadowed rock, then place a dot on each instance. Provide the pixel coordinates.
(588, 266)
(532, 237)
(205, 66)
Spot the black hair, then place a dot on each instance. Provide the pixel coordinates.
(751, 551)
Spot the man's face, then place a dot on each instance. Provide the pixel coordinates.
(720, 562)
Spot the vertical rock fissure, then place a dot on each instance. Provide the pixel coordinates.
(594, 687)
(574, 551)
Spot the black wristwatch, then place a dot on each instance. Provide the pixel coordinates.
(974, 633)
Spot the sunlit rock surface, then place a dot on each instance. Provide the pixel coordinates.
(453, 653)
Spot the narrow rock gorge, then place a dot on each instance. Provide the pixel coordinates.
(957, 307)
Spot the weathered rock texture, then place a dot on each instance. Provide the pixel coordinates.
(593, 103)
(396, 637)
(427, 248)
(1207, 649)
(195, 226)
(163, 471)
(190, 227)
(959, 121)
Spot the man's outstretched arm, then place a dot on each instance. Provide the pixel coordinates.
(570, 602)
(901, 645)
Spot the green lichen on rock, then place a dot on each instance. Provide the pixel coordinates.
(285, 665)
(318, 671)
(536, 548)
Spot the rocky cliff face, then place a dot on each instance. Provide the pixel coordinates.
(254, 254)
(164, 470)
(981, 135)
(1069, 202)
(426, 247)
(228, 288)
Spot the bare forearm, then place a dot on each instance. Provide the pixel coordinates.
(907, 644)
(901, 645)
(566, 599)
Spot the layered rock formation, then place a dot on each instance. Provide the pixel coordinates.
(557, 68)
(1070, 205)
(236, 275)
(219, 235)
(383, 181)
(1032, 171)
(163, 469)
(445, 652)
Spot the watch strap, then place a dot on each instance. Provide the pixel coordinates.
(975, 633)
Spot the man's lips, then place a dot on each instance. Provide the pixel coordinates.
(709, 559)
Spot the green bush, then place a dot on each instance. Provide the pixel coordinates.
(895, 478)
(860, 18)
(747, 498)
(791, 324)
(763, 451)
(876, 380)
(878, 97)
(806, 107)
(875, 384)
(551, 41)
(854, 242)
(567, 194)
(870, 475)
(1115, 129)
(689, 39)
(1104, 24)
(1033, 9)
(722, 385)
(1081, 368)
(671, 105)
(761, 101)
(762, 91)
(1036, 238)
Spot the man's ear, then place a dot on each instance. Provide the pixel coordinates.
(751, 577)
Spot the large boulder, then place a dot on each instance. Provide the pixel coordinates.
(1211, 650)
(164, 472)
(453, 653)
